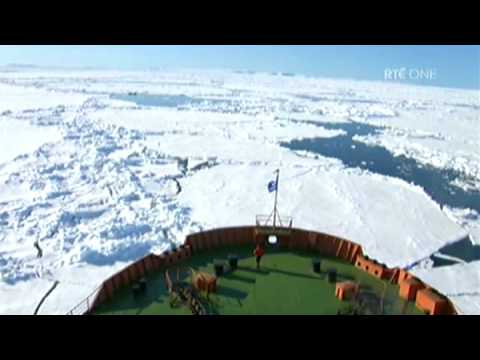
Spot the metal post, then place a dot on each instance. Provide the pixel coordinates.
(275, 204)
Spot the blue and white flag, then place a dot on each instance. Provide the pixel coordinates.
(272, 186)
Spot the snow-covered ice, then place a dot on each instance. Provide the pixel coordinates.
(372, 210)
(460, 282)
(20, 137)
(100, 181)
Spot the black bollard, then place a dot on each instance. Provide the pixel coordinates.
(136, 290)
(332, 275)
(143, 285)
(218, 267)
(233, 261)
(316, 265)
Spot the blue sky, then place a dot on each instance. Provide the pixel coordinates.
(452, 66)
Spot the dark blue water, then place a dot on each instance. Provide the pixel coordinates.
(219, 104)
(435, 181)
(463, 249)
(182, 102)
(158, 100)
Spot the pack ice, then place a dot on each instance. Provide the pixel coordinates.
(96, 182)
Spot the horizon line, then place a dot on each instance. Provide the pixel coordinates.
(243, 71)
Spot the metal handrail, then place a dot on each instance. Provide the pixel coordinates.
(86, 303)
(267, 220)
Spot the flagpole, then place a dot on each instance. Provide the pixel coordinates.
(275, 204)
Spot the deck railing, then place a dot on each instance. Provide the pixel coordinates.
(323, 244)
(84, 306)
(267, 220)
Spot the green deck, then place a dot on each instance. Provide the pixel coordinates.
(285, 284)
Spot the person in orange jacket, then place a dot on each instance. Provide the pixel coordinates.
(258, 253)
